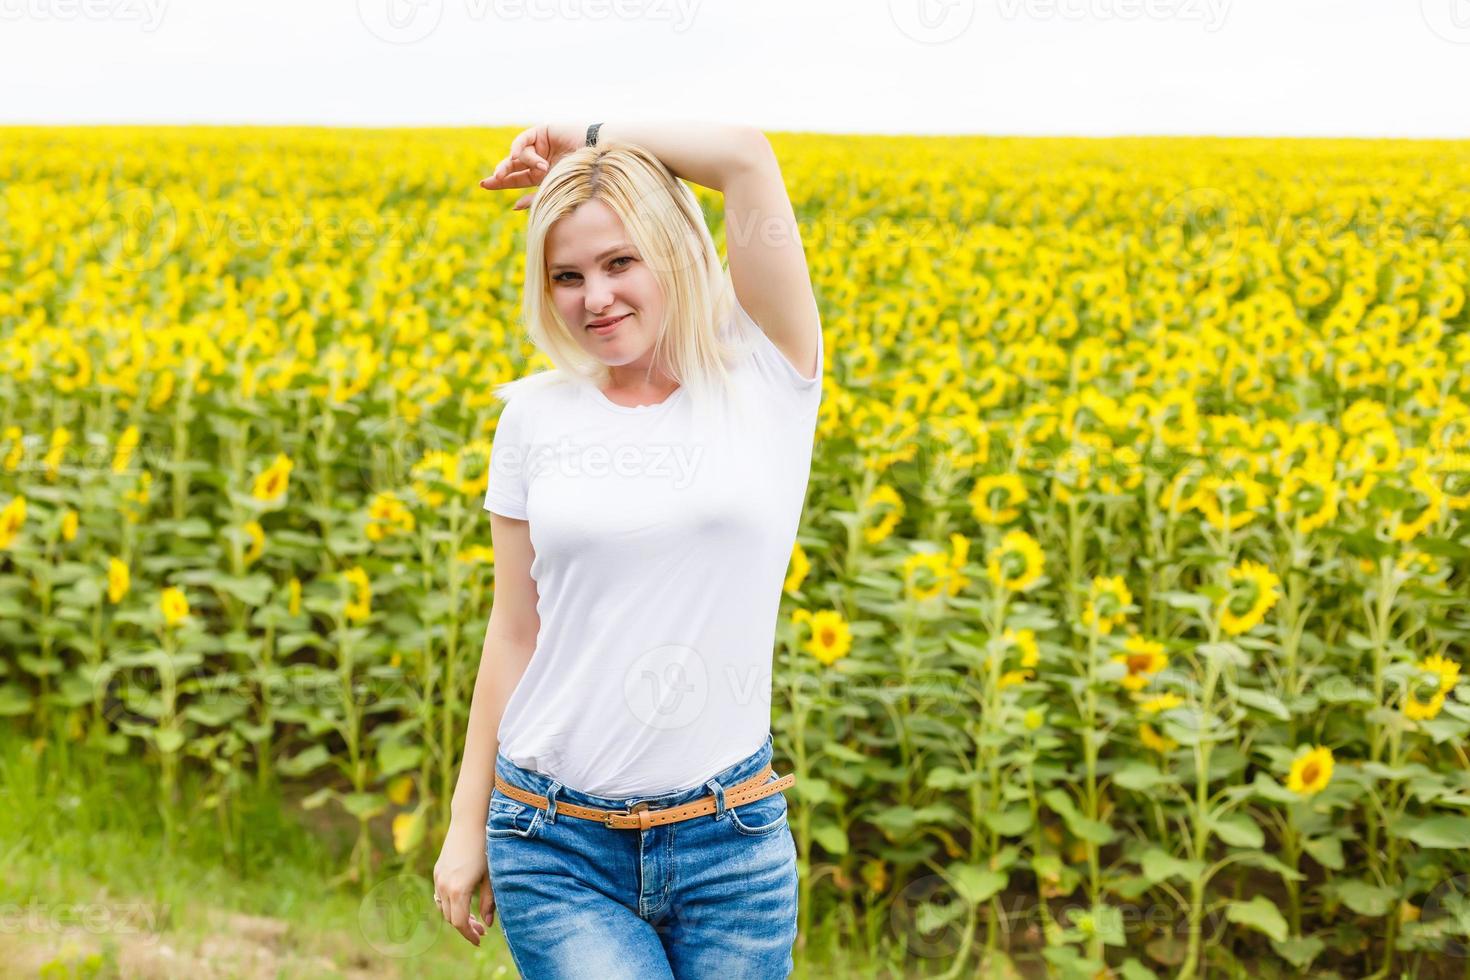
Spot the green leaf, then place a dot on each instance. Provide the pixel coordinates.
(1134, 970)
(395, 757)
(1141, 776)
(812, 791)
(1225, 652)
(168, 740)
(831, 837)
(1238, 830)
(252, 590)
(1363, 898)
(1261, 914)
(947, 777)
(1299, 951)
(1445, 831)
(1185, 600)
(304, 762)
(363, 806)
(14, 700)
(1159, 866)
(1261, 701)
(975, 884)
(1267, 862)
(1267, 788)
(316, 799)
(1326, 851)
(1016, 820)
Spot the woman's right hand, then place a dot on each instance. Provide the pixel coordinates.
(532, 155)
(461, 868)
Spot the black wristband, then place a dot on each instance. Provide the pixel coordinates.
(592, 133)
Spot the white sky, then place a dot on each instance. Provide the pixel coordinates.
(1058, 67)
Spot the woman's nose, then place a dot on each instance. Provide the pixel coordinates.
(599, 297)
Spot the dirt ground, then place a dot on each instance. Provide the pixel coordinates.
(233, 946)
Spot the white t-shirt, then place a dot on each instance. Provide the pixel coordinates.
(660, 547)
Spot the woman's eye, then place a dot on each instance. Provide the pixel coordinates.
(562, 277)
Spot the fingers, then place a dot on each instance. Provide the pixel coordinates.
(506, 175)
(459, 917)
(487, 902)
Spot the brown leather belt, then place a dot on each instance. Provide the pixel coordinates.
(640, 817)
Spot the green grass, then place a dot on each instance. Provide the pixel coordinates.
(90, 887)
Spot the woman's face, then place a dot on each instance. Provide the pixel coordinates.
(596, 274)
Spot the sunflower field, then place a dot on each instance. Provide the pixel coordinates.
(1124, 632)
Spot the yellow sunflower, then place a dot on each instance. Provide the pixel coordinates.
(1107, 601)
(1254, 589)
(118, 580)
(359, 607)
(257, 541)
(1153, 741)
(1164, 702)
(831, 637)
(799, 566)
(271, 485)
(1144, 658)
(1016, 563)
(1437, 677)
(1024, 641)
(1311, 771)
(995, 499)
(174, 605)
(883, 500)
(11, 520)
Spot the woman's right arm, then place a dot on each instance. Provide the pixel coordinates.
(510, 639)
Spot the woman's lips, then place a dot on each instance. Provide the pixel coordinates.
(609, 328)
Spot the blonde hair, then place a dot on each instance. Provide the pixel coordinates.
(663, 219)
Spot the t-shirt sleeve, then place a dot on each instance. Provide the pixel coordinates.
(505, 490)
(772, 363)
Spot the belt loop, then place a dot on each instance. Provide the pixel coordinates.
(551, 801)
(719, 792)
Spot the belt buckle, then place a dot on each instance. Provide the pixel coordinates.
(635, 808)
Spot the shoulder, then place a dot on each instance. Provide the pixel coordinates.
(532, 396)
(757, 348)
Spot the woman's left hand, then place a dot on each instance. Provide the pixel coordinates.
(532, 155)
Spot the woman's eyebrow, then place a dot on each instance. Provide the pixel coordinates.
(616, 248)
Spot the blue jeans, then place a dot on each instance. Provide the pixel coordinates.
(712, 896)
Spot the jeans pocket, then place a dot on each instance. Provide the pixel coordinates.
(761, 817)
(511, 818)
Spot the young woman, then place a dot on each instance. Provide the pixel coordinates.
(616, 802)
